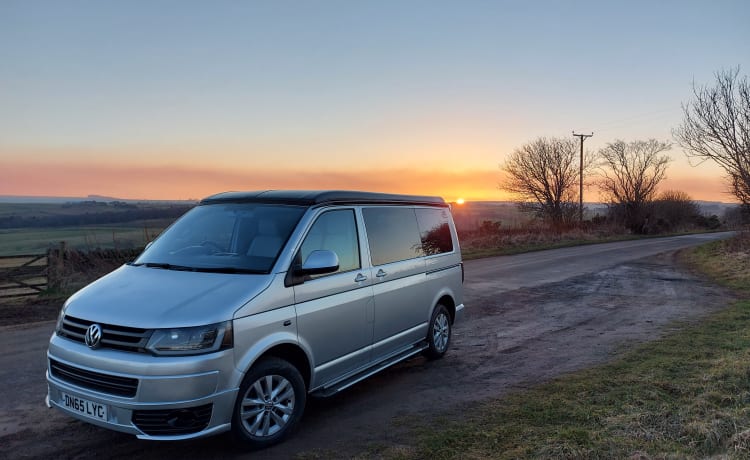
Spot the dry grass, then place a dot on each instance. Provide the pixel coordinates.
(489, 241)
(78, 268)
(726, 261)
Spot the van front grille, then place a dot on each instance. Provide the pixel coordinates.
(103, 383)
(114, 337)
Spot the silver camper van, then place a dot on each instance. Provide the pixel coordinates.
(250, 302)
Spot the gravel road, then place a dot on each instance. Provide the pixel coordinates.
(530, 317)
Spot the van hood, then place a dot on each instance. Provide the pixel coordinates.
(149, 298)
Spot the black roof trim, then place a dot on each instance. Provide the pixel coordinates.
(321, 197)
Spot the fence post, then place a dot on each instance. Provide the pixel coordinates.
(56, 266)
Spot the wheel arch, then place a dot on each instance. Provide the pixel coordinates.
(294, 355)
(280, 345)
(447, 300)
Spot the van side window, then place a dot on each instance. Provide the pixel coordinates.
(392, 233)
(335, 231)
(435, 231)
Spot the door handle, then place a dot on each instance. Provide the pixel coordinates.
(360, 277)
(381, 273)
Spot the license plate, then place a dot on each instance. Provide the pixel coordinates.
(84, 407)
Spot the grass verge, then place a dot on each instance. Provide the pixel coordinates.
(684, 396)
(490, 246)
(470, 253)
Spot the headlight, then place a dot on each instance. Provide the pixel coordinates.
(60, 316)
(191, 340)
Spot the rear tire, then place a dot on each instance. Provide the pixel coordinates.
(269, 404)
(439, 333)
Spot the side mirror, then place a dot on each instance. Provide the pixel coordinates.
(319, 262)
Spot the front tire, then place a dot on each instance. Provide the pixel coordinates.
(439, 333)
(269, 404)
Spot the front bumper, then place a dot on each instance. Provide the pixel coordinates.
(168, 394)
(459, 314)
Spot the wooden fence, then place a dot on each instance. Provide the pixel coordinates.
(23, 275)
(59, 269)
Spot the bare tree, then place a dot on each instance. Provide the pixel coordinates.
(630, 173)
(737, 216)
(674, 210)
(543, 175)
(716, 126)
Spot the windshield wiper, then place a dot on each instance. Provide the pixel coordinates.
(166, 266)
(230, 270)
(184, 268)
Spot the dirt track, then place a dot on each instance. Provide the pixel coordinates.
(510, 339)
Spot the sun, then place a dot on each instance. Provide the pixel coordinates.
(460, 201)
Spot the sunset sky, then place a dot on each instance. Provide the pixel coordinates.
(181, 99)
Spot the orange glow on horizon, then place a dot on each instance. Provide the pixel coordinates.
(179, 183)
(27, 178)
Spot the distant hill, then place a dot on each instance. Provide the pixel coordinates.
(77, 213)
(75, 199)
(710, 208)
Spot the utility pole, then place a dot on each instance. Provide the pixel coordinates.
(580, 191)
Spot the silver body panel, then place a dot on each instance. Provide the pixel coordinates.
(347, 326)
(156, 298)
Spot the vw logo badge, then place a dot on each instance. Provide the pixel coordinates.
(93, 336)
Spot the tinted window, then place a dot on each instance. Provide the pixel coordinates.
(234, 236)
(392, 233)
(335, 231)
(435, 231)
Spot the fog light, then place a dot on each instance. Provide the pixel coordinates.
(181, 419)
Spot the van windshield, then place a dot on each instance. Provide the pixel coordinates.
(224, 238)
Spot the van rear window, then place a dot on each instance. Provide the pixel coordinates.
(435, 231)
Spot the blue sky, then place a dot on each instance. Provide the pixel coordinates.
(347, 86)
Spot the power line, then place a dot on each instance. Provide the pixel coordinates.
(580, 192)
(636, 119)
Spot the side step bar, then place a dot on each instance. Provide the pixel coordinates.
(374, 369)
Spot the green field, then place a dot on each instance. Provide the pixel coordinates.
(32, 228)
(30, 209)
(37, 240)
